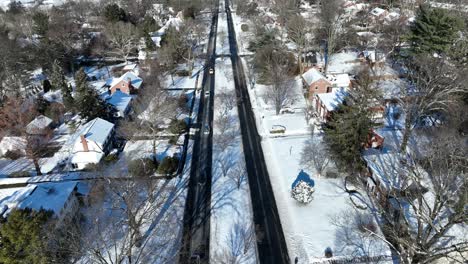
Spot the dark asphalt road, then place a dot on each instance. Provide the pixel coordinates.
(270, 238)
(196, 230)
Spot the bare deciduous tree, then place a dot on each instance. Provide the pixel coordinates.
(238, 174)
(314, 155)
(241, 243)
(122, 228)
(331, 12)
(298, 30)
(122, 37)
(434, 85)
(277, 68)
(423, 211)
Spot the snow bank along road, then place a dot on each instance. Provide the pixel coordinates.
(270, 238)
(197, 208)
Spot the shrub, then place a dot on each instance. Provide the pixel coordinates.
(173, 140)
(177, 127)
(12, 154)
(142, 167)
(245, 27)
(168, 165)
(183, 73)
(111, 158)
(18, 174)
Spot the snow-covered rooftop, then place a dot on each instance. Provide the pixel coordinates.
(120, 101)
(12, 143)
(134, 80)
(49, 196)
(312, 75)
(39, 123)
(332, 100)
(391, 169)
(97, 130)
(339, 80)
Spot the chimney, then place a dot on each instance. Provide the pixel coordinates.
(84, 143)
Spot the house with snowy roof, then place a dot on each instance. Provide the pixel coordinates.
(121, 102)
(92, 143)
(325, 103)
(40, 126)
(12, 143)
(315, 82)
(128, 83)
(58, 197)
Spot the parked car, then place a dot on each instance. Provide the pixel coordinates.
(287, 110)
(211, 71)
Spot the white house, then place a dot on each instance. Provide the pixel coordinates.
(59, 197)
(92, 143)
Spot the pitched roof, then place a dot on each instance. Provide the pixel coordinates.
(340, 80)
(333, 99)
(39, 123)
(312, 75)
(134, 80)
(120, 100)
(97, 130)
(49, 196)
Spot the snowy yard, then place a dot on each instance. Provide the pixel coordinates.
(144, 149)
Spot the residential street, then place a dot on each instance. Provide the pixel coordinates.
(270, 238)
(197, 211)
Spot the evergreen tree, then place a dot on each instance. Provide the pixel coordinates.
(345, 133)
(350, 124)
(68, 99)
(81, 81)
(57, 78)
(90, 106)
(22, 237)
(433, 31)
(46, 86)
(113, 13)
(89, 103)
(41, 23)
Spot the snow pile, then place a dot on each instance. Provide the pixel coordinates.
(302, 192)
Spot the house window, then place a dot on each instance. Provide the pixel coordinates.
(123, 84)
(118, 89)
(316, 87)
(329, 89)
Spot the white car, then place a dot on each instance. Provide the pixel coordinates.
(211, 71)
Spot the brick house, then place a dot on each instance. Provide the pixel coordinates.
(325, 103)
(315, 82)
(128, 83)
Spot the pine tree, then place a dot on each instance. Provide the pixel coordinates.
(434, 31)
(57, 78)
(89, 103)
(345, 133)
(22, 237)
(81, 81)
(68, 99)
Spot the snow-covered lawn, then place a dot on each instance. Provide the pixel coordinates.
(144, 149)
(172, 81)
(232, 218)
